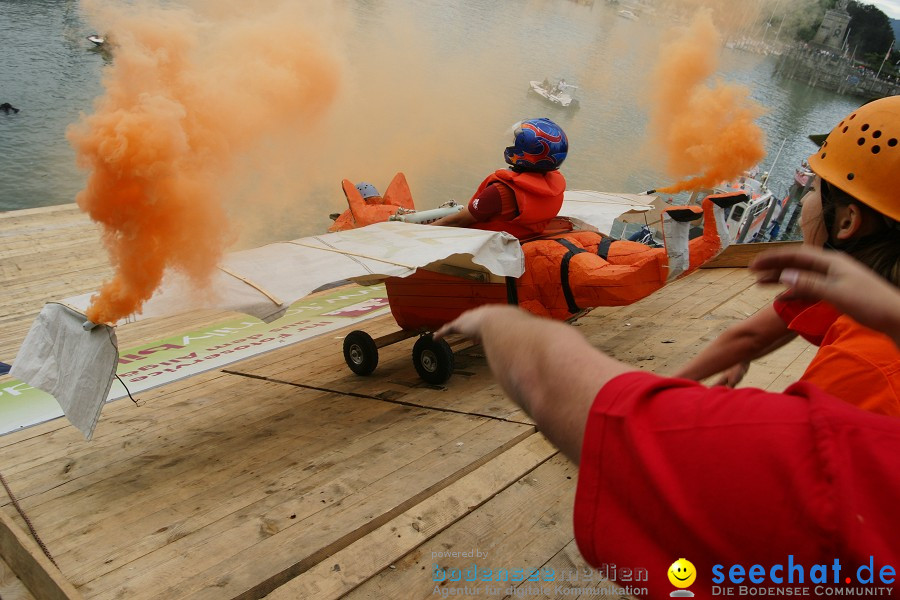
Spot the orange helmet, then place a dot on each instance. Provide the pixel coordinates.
(861, 156)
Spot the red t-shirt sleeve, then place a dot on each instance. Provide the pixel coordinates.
(489, 203)
(670, 469)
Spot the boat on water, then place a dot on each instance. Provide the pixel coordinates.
(97, 40)
(556, 93)
(763, 216)
(627, 14)
(748, 221)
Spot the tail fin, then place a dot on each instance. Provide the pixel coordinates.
(720, 205)
(354, 199)
(676, 225)
(715, 236)
(398, 193)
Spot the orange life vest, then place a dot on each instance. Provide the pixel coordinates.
(538, 195)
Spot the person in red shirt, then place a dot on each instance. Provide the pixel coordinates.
(669, 468)
(852, 206)
(523, 199)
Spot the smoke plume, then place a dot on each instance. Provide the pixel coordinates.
(184, 101)
(707, 131)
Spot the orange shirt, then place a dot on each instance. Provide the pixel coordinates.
(854, 363)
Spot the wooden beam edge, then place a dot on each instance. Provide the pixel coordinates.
(740, 255)
(42, 578)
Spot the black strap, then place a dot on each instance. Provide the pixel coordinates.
(603, 247)
(512, 292)
(564, 273)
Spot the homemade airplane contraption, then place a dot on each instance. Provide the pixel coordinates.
(432, 274)
(570, 269)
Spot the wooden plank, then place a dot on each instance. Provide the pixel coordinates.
(78, 464)
(740, 255)
(342, 432)
(40, 211)
(347, 569)
(27, 560)
(525, 526)
(575, 579)
(255, 549)
(45, 254)
(126, 505)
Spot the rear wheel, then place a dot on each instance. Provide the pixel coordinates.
(360, 352)
(433, 360)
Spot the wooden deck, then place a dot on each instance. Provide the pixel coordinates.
(286, 476)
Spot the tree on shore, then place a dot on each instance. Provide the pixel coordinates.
(870, 30)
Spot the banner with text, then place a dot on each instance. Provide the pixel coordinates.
(187, 354)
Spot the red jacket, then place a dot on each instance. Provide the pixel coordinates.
(539, 197)
(672, 469)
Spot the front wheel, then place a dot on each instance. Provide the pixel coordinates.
(433, 360)
(360, 352)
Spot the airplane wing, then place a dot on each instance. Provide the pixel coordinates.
(75, 361)
(264, 282)
(600, 209)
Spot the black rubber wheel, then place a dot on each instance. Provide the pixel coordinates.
(360, 352)
(433, 360)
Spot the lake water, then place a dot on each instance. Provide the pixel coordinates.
(467, 61)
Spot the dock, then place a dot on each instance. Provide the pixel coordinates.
(823, 69)
(286, 476)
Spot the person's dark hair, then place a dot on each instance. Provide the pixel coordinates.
(880, 251)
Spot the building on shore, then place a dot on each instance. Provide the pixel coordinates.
(824, 62)
(834, 28)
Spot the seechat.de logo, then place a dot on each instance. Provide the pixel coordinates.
(682, 574)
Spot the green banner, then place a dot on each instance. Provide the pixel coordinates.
(186, 354)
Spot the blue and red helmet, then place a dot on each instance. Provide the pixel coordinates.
(538, 145)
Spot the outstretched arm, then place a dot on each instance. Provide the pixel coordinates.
(462, 218)
(546, 367)
(835, 277)
(756, 336)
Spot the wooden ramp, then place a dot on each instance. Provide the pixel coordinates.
(286, 476)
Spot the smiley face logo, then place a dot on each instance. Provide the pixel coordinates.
(682, 573)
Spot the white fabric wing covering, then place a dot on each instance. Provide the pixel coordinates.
(264, 282)
(600, 209)
(77, 367)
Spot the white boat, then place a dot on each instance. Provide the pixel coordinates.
(557, 94)
(96, 39)
(748, 221)
(751, 221)
(627, 14)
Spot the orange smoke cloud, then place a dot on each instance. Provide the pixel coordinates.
(184, 100)
(707, 132)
